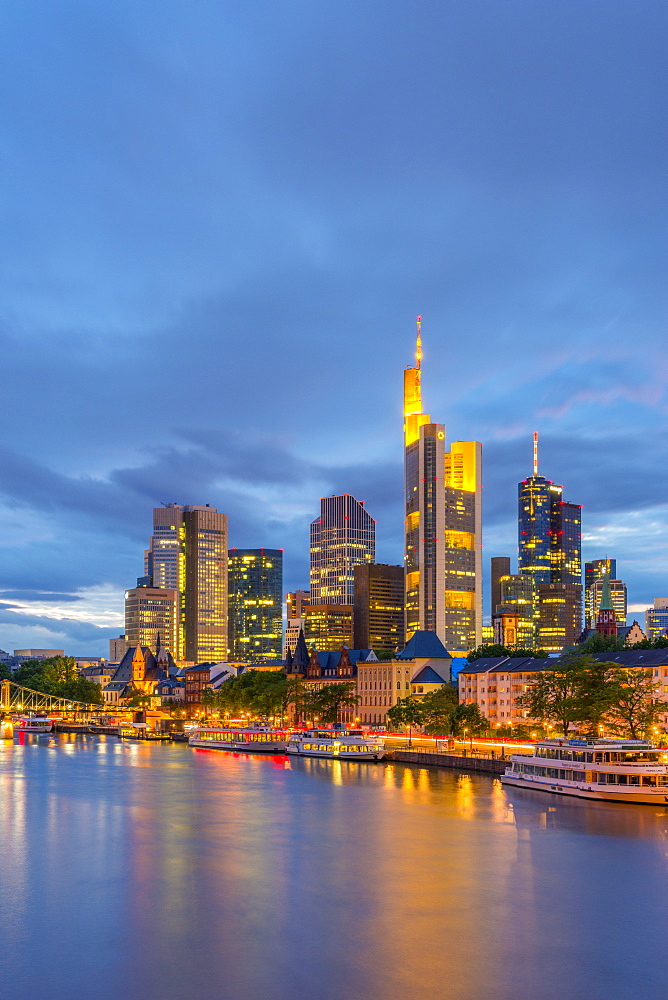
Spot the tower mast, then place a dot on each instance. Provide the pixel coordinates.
(535, 453)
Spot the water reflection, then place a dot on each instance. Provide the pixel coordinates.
(156, 872)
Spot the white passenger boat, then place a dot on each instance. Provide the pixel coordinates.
(33, 724)
(256, 738)
(614, 770)
(347, 744)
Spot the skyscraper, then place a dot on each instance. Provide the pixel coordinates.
(500, 566)
(296, 603)
(188, 553)
(378, 609)
(596, 572)
(255, 593)
(443, 555)
(656, 619)
(549, 551)
(152, 617)
(344, 536)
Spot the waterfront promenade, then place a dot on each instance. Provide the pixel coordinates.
(163, 873)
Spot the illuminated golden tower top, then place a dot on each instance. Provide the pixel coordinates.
(414, 418)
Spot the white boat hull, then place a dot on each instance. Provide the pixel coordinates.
(338, 754)
(645, 796)
(278, 746)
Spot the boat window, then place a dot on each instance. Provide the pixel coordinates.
(622, 779)
(634, 779)
(649, 779)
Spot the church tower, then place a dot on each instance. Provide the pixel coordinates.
(606, 619)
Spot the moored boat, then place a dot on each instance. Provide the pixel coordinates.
(608, 769)
(33, 724)
(347, 744)
(257, 738)
(140, 731)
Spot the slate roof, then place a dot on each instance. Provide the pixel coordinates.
(507, 665)
(428, 676)
(424, 645)
(329, 658)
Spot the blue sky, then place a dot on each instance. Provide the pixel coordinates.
(219, 223)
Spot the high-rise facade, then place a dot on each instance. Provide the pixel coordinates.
(255, 594)
(344, 536)
(518, 599)
(443, 527)
(188, 553)
(596, 571)
(152, 617)
(378, 608)
(296, 602)
(593, 598)
(328, 626)
(499, 566)
(549, 551)
(656, 619)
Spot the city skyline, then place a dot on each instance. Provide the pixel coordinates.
(276, 217)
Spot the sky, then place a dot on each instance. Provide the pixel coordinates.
(219, 222)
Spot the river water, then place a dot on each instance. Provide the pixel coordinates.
(134, 872)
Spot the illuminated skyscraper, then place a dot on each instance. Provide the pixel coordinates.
(596, 572)
(152, 615)
(443, 555)
(549, 551)
(255, 589)
(188, 553)
(344, 536)
(378, 611)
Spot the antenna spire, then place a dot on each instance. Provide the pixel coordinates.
(418, 345)
(535, 453)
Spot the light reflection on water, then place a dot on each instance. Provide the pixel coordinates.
(159, 872)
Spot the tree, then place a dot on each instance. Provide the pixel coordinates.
(576, 692)
(58, 676)
(329, 701)
(634, 709)
(407, 712)
(438, 708)
(469, 720)
(598, 644)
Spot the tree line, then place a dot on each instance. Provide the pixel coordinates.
(58, 676)
(270, 694)
(589, 695)
(438, 712)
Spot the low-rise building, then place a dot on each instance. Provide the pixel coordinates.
(381, 684)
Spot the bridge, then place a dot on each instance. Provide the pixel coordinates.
(16, 698)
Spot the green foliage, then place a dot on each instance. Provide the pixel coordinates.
(327, 703)
(5, 672)
(257, 693)
(599, 644)
(58, 675)
(496, 649)
(438, 712)
(633, 710)
(406, 713)
(589, 694)
(468, 720)
(438, 708)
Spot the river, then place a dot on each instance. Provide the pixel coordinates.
(138, 872)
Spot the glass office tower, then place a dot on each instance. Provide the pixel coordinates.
(255, 593)
(549, 551)
(443, 526)
(344, 536)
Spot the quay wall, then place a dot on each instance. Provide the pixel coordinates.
(493, 765)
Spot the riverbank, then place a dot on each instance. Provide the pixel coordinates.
(490, 765)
